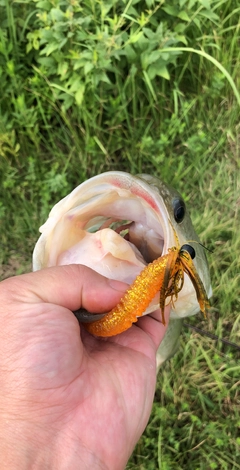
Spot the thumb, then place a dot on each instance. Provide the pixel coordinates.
(71, 286)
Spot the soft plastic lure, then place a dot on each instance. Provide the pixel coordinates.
(166, 275)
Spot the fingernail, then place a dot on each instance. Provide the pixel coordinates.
(117, 285)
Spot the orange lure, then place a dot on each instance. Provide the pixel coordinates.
(165, 274)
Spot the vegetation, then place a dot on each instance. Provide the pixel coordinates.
(141, 86)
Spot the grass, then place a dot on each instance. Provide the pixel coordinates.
(184, 130)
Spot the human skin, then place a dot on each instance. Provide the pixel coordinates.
(69, 400)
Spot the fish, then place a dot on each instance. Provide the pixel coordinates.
(129, 223)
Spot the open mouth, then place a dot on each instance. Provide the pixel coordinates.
(116, 235)
(113, 223)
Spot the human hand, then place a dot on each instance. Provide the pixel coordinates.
(69, 400)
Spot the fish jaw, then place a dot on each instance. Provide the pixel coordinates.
(75, 224)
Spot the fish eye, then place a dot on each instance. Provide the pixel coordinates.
(179, 210)
(189, 249)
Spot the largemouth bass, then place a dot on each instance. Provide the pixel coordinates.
(116, 224)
